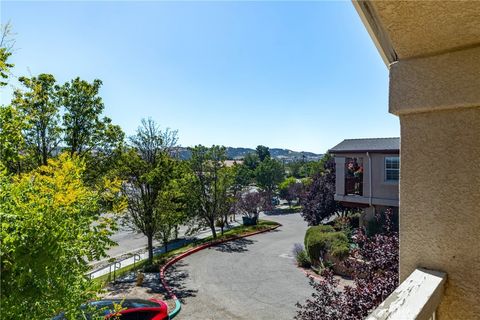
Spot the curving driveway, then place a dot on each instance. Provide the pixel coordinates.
(251, 278)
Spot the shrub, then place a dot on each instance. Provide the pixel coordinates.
(303, 260)
(301, 256)
(320, 240)
(375, 277)
(315, 229)
(343, 224)
(151, 268)
(354, 220)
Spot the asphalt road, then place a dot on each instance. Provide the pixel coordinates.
(251, 278)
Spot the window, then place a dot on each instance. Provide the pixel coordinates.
(392, 168)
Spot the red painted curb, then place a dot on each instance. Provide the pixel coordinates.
(201, 247)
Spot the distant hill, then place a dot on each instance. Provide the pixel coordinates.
(276, 153)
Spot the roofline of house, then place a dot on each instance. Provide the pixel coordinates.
(394, 151)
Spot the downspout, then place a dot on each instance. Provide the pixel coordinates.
(369, 180)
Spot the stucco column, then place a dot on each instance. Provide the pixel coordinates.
(438, 101)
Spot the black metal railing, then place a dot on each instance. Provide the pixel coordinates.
(353, 186)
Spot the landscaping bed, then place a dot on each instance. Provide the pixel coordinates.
(126, 288)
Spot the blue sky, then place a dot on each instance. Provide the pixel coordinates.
(297, 75)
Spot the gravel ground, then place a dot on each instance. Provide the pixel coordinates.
(126, 288)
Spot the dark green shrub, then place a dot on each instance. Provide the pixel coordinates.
(302, 259)
(320, 240)
(317, 229)
(355, 220)
(301, 256)
(151, 268)
(339, 248)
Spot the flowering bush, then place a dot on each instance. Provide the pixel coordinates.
(375, 277)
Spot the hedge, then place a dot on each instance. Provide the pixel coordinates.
(320, 240)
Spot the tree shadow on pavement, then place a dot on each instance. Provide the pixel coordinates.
(281, 212)
(240, 245)
(175, 277)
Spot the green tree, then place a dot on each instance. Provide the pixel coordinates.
(148, 172)
(6, 46)
(295, 169)
(242, 176)
(12, 141)
(39, 105)
(251, 161)
(227, 196)
(268, 175)
(52, 225)
(287, 189)
(171, 206)
(209, 186)
(263, 153)
(82, 123)
(86, 132)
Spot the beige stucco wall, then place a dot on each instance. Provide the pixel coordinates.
(447, 81)
(432, 49)
(381, 188)
(440, 204)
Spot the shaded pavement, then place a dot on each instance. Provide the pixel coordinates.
(250, 278)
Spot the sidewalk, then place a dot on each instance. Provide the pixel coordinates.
(143, 254)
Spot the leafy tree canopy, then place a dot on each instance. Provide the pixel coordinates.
(52, 225)
(269, 174)
(263, 153)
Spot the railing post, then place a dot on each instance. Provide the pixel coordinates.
(116, 265)
(136, 257)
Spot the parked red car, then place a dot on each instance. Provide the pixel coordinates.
(132, 309)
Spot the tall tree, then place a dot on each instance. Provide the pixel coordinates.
(290, 189)
(148, 171)
(39, 104)
(52, 225)
(6, 46)
(241, 178)
(263, 153)
(82, 123)
(12, 142)
(105, 161)
(171, 206)
(269, 174)
(251, 161)
(208, 186)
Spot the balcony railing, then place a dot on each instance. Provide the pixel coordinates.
(417, 298)
(353, 186)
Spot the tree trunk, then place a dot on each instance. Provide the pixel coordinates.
(150, 248)
(214, 232)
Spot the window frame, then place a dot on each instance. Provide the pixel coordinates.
(385, 169)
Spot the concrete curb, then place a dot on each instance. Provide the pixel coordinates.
(172, 261)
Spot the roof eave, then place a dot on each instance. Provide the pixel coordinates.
(393, 151)
(376, 31)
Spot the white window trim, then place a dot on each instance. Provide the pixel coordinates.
(385, 169)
